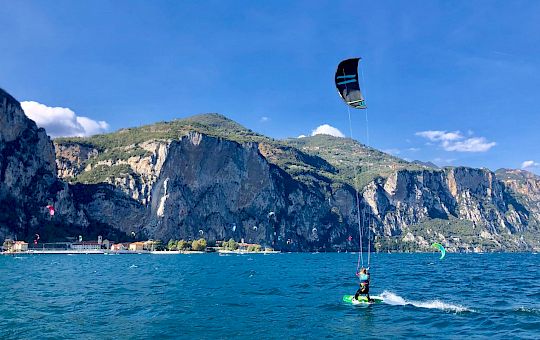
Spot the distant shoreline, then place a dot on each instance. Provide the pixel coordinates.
(97, 252)
(128, 252)
(220, 252)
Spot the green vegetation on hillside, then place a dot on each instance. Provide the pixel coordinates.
(317, 161)
(210, 124)
(455, 233)
(357, 164)
(125, 143)
(105, 173)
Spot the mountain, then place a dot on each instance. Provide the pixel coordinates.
(207, 176)
(426, 164)
(28, 180)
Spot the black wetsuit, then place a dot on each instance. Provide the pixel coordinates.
(364, 286)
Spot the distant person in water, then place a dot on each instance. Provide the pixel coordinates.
(363, 275)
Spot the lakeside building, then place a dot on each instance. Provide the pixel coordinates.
(20, 246)
(52, 246)
(136, 246)
(86, 245)
(119, 246)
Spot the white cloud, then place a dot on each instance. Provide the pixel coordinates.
(437, 136)
(264, 119)
(62, 121)
(326, 129)
(301, 136)
(92, 127)
(529, 164)
(455, 141)
(413, 149)
(476, 144)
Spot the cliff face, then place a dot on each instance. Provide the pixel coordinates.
(465, 208)
(277, 195)
(28, 180)
(207, 176)
(525, 186)
(204, 186)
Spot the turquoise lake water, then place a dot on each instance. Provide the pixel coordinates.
(267, 296)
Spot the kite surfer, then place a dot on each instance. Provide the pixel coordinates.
(364, 277)
(348, 86)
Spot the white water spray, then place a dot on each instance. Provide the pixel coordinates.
(396, 300)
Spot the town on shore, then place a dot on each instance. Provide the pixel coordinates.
(104, 246)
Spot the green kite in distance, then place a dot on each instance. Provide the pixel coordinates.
(440, 248)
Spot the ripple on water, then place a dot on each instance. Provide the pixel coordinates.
(291, 296)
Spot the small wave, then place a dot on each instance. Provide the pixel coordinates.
(527, 311)
(393, 299)
(133, 266)
(307, 285)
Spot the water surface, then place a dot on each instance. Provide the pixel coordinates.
(267, 296)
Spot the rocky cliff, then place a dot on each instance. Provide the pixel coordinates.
(29, 182)
(207, 176)
(28, 179)
(466, 209)
(208, 186)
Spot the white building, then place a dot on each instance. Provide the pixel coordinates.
(86, 245)
(20, 246)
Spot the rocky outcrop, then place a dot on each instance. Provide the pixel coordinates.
(70, 158)
(28, 181)
(203, 186)
(112, 213)
(144, 168)
(524, 184)
(471, 199)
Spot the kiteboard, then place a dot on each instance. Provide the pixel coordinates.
(362, 300)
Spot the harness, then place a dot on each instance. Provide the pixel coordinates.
(364, 280)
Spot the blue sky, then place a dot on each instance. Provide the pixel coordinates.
(453, 82)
